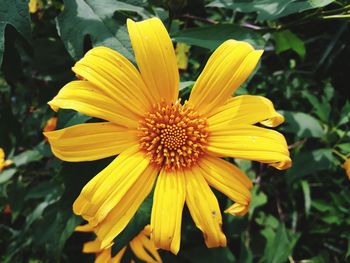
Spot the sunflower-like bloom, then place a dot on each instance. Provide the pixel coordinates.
(3, 162)
(159, 138)
(141, 245)
(34, 5)
(346, 166)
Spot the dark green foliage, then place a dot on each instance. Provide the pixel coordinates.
(16, 15)
(298, 215)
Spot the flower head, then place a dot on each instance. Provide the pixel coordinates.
(141, 245)
(3, 162)
(159, 139)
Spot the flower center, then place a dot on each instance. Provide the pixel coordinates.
(174, 136)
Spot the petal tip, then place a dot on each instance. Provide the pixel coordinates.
(45, 134)
(237, 209)
(283, 165)
(257, 53)
(52, 105)
(175, 247)
(129, 23)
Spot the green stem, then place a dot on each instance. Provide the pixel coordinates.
(300, 21)
(336, 11)
(347, 16)
(338, 3)
(339, 154)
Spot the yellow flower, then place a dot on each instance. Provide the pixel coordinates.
(3, 162)
(181, 52)
(34, 5)
(157, 137)
(141, 245)
(51, 124)
(2, 159)
(346, 166)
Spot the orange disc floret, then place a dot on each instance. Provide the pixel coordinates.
(174, 136)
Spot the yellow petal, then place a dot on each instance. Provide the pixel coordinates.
(92, 247)
(237, 209)
(2, 159)
(227, 68)
(168, 202)
(144, 248)
(84, 228)
(8, 163)
(116, 77)
(346, 166)
(155, 57)
(117, 258)
(226, 178)
(86, 98)
(104, 256)
(147, 230)
(34, 5)
(90, 141)
(125, 209)
(246, 109)
(251, 143)
(107, 189)
(2, 154)
(204, 208)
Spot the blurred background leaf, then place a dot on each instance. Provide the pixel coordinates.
(94, 25)
(13, 14)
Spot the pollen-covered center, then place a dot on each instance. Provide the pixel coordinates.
(174, 136)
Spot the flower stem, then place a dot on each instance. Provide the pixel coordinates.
(339, 154)
(347, 16)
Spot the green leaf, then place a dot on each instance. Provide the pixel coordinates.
(137, 223)
(185, 84)
(27, 157)
(37, 212)
(345, 114)
(16, 14)
(58, 225)
(48, 189)
(286, 40)
(95, 19)
(322, 107)
(212, 36)
(205, 255)
(307, 197)
(245, 255)
(280, 244)
(258, 199)
(7, 175)
(322, 206)
(344, 147)
(266, 220)
(270, 9)
(310, 162)
(302, 124)
(70, 118)
(331, 219)
(2, 39)
(348, 249)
